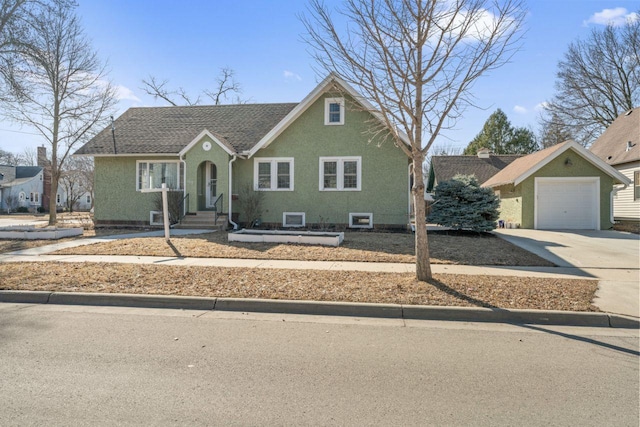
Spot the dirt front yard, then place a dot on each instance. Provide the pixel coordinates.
(467, 249)
(445, 289)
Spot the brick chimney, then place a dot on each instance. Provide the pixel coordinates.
(44, 163)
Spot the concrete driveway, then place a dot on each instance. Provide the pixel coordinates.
(612, 257)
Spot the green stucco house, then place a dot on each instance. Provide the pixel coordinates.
(313, 162)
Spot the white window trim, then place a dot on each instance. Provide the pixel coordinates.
(154, 213)
(284, 219)
(177, 162)
(327, 103)
(355, 214)
(274, 172)
(340, 173)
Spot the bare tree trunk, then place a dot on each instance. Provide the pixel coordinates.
(423, 266)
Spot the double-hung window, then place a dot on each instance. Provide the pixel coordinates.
(340, 173)
(636, 185)
(334, 111)
(273, 174)
(151, 174)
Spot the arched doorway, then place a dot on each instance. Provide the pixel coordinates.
(207, 185)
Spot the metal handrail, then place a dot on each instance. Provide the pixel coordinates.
(217, 211)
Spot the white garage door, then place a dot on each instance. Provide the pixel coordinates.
(567, 203)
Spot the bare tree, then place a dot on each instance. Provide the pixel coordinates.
(76, 180)
(598, 79)
(416, 62)
(60, 88)
(553, 130)
(225, 86)
(9, 159)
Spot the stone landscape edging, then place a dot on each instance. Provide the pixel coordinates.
(326, 308)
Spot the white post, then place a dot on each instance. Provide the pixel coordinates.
(165, 211)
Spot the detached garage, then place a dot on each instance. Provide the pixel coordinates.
(561, 187)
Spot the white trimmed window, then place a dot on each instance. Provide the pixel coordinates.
(340, 173)
(636, 185)
(334, 111)
(293, 219)
(361, 220)
(151, 174)
(35, 197)
(156, 218)
(273, 174)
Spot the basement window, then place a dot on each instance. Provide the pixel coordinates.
(156, 218)
(293, 219)
(360, 220)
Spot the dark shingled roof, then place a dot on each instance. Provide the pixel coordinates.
(446, 167)
(167, 130)
(27, 171)
(612, 144)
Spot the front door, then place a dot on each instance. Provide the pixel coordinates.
(211, 184)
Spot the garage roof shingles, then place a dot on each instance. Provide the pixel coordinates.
(167, 130)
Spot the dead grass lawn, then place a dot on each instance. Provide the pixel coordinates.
(445, 289)
(357, 246)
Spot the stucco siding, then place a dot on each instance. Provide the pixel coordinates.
(117, 199)
(384, 172)
(195, 157)
(510, 204)
(569, 164)
(624, 206)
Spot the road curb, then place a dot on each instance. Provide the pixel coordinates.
(387, 311)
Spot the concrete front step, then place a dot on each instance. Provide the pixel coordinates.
(204, 219)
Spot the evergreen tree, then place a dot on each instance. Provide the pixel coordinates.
(461, 203)
(501, 138)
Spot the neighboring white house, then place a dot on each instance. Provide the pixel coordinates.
(83, 203)
(20, 187)
(619, 146)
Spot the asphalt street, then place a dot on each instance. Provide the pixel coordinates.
(79, 365)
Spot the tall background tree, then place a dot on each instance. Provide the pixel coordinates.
(553, 131)
(499, 136)
(58, 86)
(415, 61)
(226, 89)
(597, 80)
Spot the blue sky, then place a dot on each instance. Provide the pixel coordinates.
(188, 42)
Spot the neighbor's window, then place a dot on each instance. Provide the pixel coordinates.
(88, 198)
(273, 174)
(153, 174)
(22, 196)
(636, 185)
(58, 198)
(340, 173)
(334, 111)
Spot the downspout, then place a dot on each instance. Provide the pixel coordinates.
(230, 218)
(611, 195)
(185, 208)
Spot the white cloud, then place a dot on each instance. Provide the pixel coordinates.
(289, 75)
(616, 17)
(520, 109)
(541, 106)
(124, 93)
